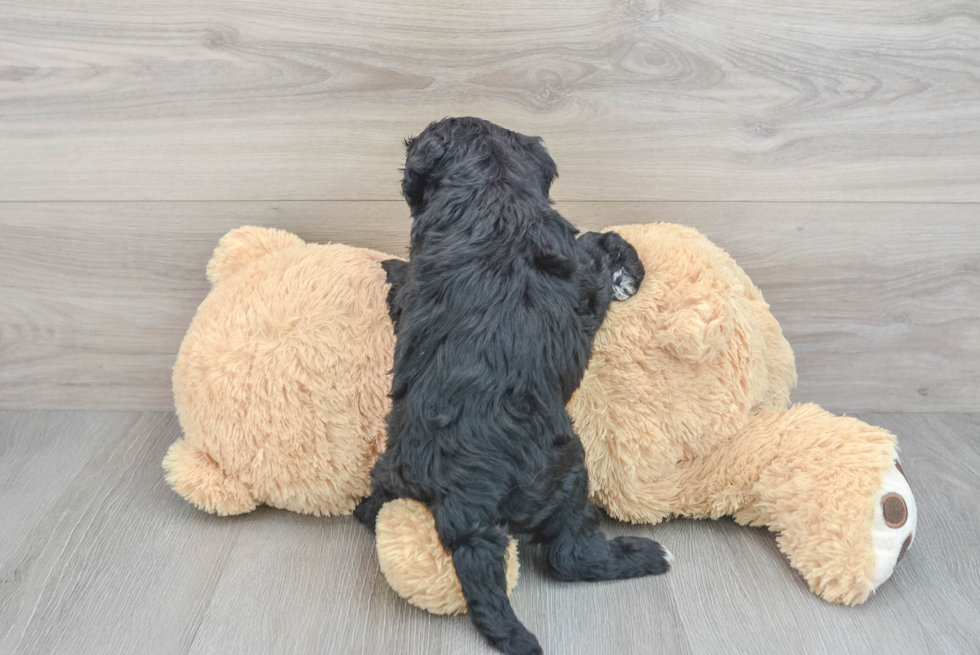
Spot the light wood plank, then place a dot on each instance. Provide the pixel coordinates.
(880, 301)
(322, 591)
(941, 456)
(736, 593)
(622, 616)
(61, 447)
(117, 563)
(309, 99)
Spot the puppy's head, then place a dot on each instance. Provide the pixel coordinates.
(472, 152)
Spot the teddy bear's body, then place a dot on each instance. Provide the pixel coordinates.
(281, 387)
(684, 411)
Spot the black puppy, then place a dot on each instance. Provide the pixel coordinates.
(495, 312)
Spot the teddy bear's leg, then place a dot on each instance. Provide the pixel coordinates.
(416, 564)
(197, 477)
(893, 528)
(833, 489)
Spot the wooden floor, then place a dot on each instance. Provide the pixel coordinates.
(98, 556)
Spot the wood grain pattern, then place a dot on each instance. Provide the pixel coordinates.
(95, 573)
(212, 114)
(738, 594)
(309, 99)
(880, 301)
(104, 559)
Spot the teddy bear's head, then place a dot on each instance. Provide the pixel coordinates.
(281, 382)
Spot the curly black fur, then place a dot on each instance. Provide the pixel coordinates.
(495, 313)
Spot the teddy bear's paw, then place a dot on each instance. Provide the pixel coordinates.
(893, 527)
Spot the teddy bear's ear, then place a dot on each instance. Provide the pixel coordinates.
(243, 246)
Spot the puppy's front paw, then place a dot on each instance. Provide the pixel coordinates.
(620, 258)
(624, 264)
(624, 285)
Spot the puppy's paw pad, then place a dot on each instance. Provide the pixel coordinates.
(624, 285)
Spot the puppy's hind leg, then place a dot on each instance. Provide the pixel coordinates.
(396, 273)
(577, 549)
(478, 557)
(367, 510)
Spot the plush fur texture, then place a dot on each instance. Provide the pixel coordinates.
(683, 410)
(495, 314)
(406, 532)
(266, 418)
(706, 373)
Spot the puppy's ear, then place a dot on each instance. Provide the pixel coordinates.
(422, 156)
(551, 263)
(533, 146)
(549, 257)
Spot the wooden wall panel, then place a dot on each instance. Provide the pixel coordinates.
(880, 301)
(815, 100)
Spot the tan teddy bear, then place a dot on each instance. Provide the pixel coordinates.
(281, 387)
